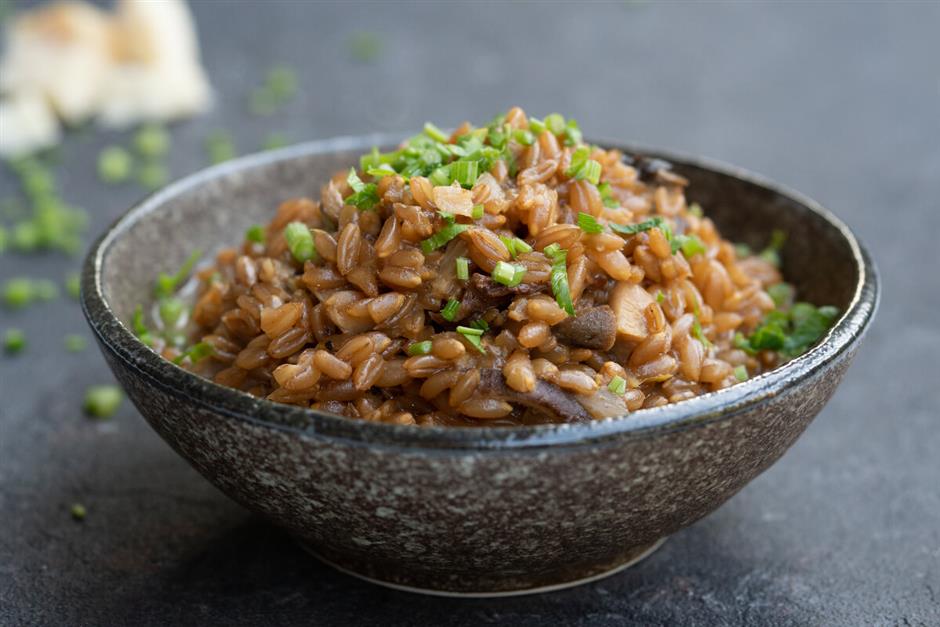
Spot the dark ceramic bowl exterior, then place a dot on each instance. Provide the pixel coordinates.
(472, 511)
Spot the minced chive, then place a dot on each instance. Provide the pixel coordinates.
(536, 125)
(73, 285)
(78, 511)
(255, 233)
(435, 133)
(589, 223)
(449, 232)
(440, 176)
(521, 246)
(524, 137)
(449, 312)
(18, 293)
(171, 310)
(698, 333)
(14, 340)
(590, 171)
(559, 277)
(463, 268)
(380, 171)
(607, 196)
(509, 244)
(771, 254)
(75, 343)
(365, 195)
(740, 373)
(696, 210)
(660, 297)
(618, 385)
(114, 164)
(690, 245)
(420, 348)
(572, 133)
(473, 338)
(480, 323)
(300, 241)
(555, 123)
(508, 274)
(464, 172)
(633, 229)
(469, 330)
(196, 353)
(152, 140)
(477, 212)
(578, 158)
(167, 284)
(101, 401)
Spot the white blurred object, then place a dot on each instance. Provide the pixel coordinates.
(78, 62)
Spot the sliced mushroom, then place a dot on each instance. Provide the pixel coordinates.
(594, 328)
(628, 301)
(546, 398)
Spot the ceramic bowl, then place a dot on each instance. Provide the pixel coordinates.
(471, 511)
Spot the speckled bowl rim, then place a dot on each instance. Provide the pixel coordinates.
(723, 404)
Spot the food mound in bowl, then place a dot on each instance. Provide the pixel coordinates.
(501, 275)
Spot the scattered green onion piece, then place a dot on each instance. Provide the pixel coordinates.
(607, 196)
(139, 326)
(742, 343)
(469, 330)
(509, 244)
(521, 246)
(440, 176)
(480, 323)
(524, 137)
(477, 212)
(618, 385)
(195, 353)
(463, 268)
(589, 223)
(420, 348)
(78, 511)
(690, 245)
(365, 196)
(555, 123)
(171, 310)
(572, 133)
(578, 158)
(152, 140)
(660, 297)
(255, 233)
(740, 373)
(449, 232)
(14, 340)
(114, 164)
(590, 171)
(633, 229)
(75, 343)
(781, 293)
(449, 312)
(464, 172)
(508, 274)
(559, 277)
(300, 242)
(18, 293)
(167, 284)
(771, 254)
(475, 340)
(282, 83)
(536, 125)
(73, 285)
(435, 133)
(696, 210)
(698, 333)
(380, 171)
(101, 401)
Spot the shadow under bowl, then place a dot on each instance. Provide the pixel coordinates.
(472, 511)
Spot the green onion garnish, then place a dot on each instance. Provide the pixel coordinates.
(508, 274)
(536, 125)
(75, 343)
(464, 172)
(195, 353)
(300, 242)
(365, 196)
(523, 137)
(696, 210)
(14, 340)
(101, 401)
(781, 293)
(219, 146)
(449, 232)
(698, 333)
(690, 245)
(559, 277)
(607, 196)
(255, 234)
(152, 175)
(469, 330)
(633, 229)
(78, 511)
(590, 171)
(167, 284)
(151, 141)
(740, 373)
(480, 323)
(420, 348)
(18, 293)
(171, 310)
(589, 223)
(435, 133)
(73, 285)
(618, 385)
(771, 254)
(555, 123)
(449, 312)
(114, 165)
(440, 176)
(572, 133)
(463, 268)
(520, 246)
(477, 212)
(474, 336)
(660, 297)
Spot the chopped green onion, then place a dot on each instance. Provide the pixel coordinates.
(463, 268)
(740, 373)
(196, 353)
(590, 171)
(281, 83)
(449, 232)
(607, 196)
(480, 323)
(508, 274)
(690, 245)
(523, 137)
(300, 242)
(18, 293)
(114, 164)
(618, 385)
(696, 210)
(440, 176)
(171, 310)
(521, 246)
(572, 133)
(469, 330)
(45, 290)
(380, 171)
(555, 123)
(435, 133)
(73, 285)
(698, 333)
(75, 343)
(152, 140)
(101, 401)
(152, 175)
(464, 172)
(771, 254)
(167, 284)
(781, 293)
(559, 277)
(477, 212)
(475, 340)
(420, 348)
(536, 125)
(578, 158)
(449, 312)
(589, 223)
(255, 233)
(633, 229)
(14, 340)
(660, 297)
(742, 343)
(78, 511)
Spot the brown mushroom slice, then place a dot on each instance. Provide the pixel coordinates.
(594, 328)
(603, 404)
(628, 301)
(546, 398)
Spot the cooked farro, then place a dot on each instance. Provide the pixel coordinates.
(511, 275)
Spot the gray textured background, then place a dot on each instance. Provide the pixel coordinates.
(839, 101)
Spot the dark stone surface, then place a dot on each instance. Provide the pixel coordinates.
(838, 101)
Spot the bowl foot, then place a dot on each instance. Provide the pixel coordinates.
(633, 557)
